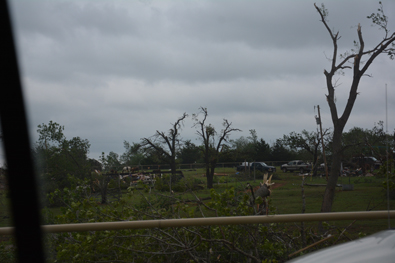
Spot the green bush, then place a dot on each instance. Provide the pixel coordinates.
(382, 171)
(239, 243)
(7, 251)
(223, 179)
(162, 184)
(179, 186)
(125, 183)
(193, 184)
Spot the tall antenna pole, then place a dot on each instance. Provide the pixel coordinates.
(322, 141)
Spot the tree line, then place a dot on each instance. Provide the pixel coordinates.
(57, 157)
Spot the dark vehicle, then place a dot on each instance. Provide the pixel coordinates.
(257, 166)
(296, 165)
(367, 163)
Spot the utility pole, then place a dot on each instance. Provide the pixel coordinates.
(318, 119)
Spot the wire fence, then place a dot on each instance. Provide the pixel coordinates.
(197, 165)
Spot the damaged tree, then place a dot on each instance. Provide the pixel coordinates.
(165, 145)
(360, 60)
(212, 147)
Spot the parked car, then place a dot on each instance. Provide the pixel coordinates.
(296, 165)
(258, 166)
(243, 166)
(368, 162)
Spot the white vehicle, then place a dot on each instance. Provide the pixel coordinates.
(379, 247)
(296, 165)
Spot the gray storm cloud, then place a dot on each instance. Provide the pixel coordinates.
(111, 71)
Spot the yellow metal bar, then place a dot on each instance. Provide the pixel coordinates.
(235, 220)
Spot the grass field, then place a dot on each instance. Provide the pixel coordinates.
(368, 194)
(286, 198)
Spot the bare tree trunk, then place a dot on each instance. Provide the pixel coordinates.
(334, 174)
(104, 189)
(210, 180)
(208, 173)
(302, 230)
(315, 160)
(385, 46)
(211, 149)
(210, 177)
(104, 192)
(173, 177)
(212, 170)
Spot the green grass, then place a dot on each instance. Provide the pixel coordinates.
(5, 215)
(286, 198)
(368, 194)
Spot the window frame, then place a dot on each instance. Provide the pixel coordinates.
(20, 175)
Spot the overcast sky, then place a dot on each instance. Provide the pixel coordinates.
(111, 71)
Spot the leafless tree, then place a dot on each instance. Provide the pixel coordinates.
(354, 60)
(165, 144)
(213, 142)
